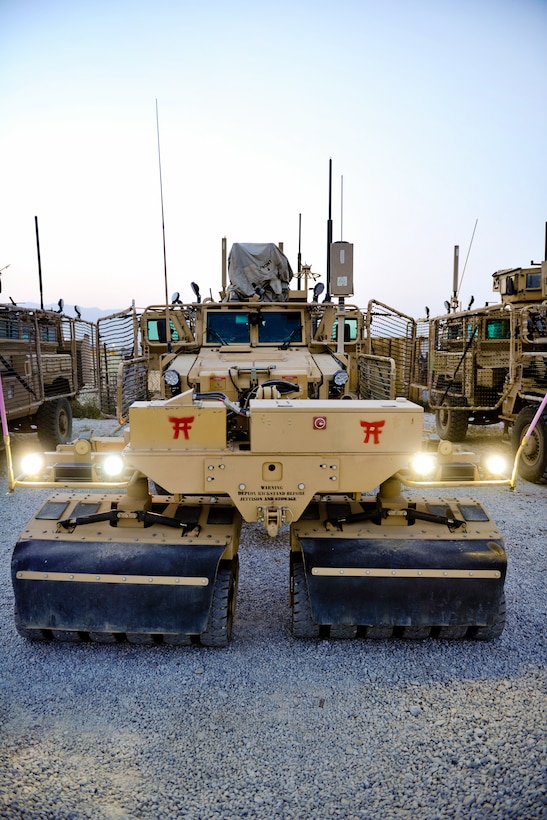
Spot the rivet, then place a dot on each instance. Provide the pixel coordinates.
(221, 466)
(242, 486)
(45, 575)
(97, 577)
(341, 572)
(124, 578)
(177, 581)
(150, 580)
(204, 581)
(210, 467)
(394, 572)
(71, 577)
(301, 486)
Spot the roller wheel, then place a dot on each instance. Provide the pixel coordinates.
(343, 631)
(105, 637)
(303, 625)
(177, 640)
(452, 633)
(379, 633)
(31, 634)
(451, 424)
(416, 633)
(69, 636)
(54, 421)
(219, 627)
(532, 464)
(490, 633)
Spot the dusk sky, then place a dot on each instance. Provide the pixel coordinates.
(434, 113)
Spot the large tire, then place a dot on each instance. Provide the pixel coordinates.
(490, 633)
(303, 625)
(532, 464)
(219, 627)
(54, 422)
(451, 424)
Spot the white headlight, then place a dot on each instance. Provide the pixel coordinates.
(33, 464)
(172, 378)
(113, 466)
(340, 378)
(424, 464)
(496, 465)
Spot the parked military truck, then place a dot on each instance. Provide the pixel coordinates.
(259, 417)
(489, 365)
(46, 358)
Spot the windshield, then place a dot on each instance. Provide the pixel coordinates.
(227, 328)
(273, 328)
(280, 327)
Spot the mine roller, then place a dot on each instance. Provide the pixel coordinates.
(260, 410)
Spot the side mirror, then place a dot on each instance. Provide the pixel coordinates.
(317, 291)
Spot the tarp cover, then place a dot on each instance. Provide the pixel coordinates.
(258, 271)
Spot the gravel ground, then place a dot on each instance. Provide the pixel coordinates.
(271, 727)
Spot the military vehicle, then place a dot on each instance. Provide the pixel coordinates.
(260, 412)
(489, 365)
(46, 359)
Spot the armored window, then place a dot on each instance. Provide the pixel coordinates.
(350, 329)
(498, 329)
(277, 328)
(156, 331)
(533, 280)
(227, 328)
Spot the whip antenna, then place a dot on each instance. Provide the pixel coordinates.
(467, 257)
(167, 321)
(341, 207)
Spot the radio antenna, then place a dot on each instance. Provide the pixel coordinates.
(341, 206)
(329, 233)
(467, 257)
(39, 263)
(299, 246)
(167, 321)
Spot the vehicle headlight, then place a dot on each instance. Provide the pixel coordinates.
(33, 464)
(171, 377)
(424, 464)
(113, 466)
(340, 378)
(496, 465)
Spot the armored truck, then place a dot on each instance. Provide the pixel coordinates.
(259, 412)
(46, 359)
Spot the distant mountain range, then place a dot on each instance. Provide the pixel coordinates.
(90, 314)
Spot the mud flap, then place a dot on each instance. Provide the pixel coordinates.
(400, 582)
(144, 587)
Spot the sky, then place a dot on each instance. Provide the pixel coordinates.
(433, 113)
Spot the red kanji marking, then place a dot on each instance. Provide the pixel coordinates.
(319, 422)
(183, 424)
(372, 428)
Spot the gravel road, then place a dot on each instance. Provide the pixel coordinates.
(271, 727)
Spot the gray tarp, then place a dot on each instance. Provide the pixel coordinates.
(258, 271)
